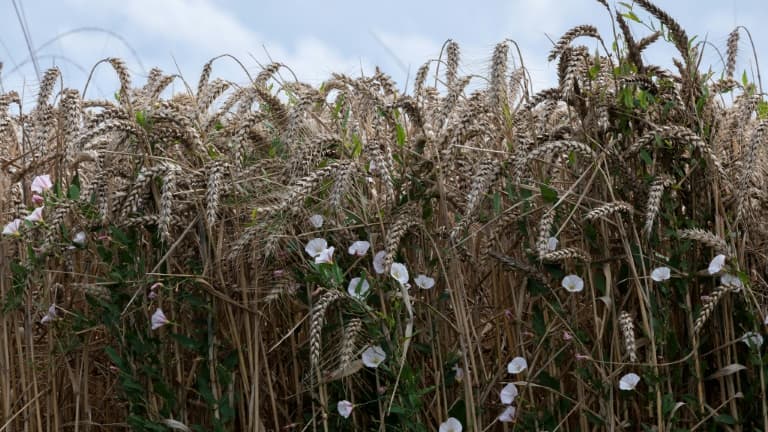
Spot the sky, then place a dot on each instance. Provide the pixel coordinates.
(317, 38)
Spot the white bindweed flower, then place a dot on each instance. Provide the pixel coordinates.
(517, 365)
(508, 394)
(752, 339)
(716, 265)
(424, 281)
(12, 227)
(315, 247)
(316, 220)
(378, 262)
(345, 408)
(629, 381)
(552, 244)
(660, 274)
(373, 356)
(358, 288)
(159, 319)
(573, 283)
(51, 315)
(41, 183)
(37, 200)
(399, 272)
(325, 256)
(451, 425)
(458, 372)
(508, 415)
(766, 319)
(732, 280)
(359, 248)
(79, 238)
(36, 215)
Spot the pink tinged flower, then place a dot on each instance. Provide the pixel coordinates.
(567, 336)
(508, 415)
(517, 365)
(359, 248)
(629, 381)
(766, 319)
(152, 295)
(325, 256)
(582, 357)
(12, 228)
(358, 288)
(345, 408)
(41, 183)
(451, 425)
(316, 220)
(36, 215)
(424, 281)
(378, 262)
(458, 373)
(373, 356)
(716, 265)
(37, 200)
(573, 283)
(399, 272)
(159, 319)
(315, 247)
(508, 394)
(752, 339)
(660, 274)
(79, 238)
(732, 281)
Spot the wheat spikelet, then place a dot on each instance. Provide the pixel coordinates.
(46, 86)
(551, 148)
(497, 88)
(122, 74)
(451, 62)
(545, 228)
(749, 165)
(205, 74)
(708, 306)
(633, 52)
(677, 33)
(565, 253)
(733, 46)
(655, 194)
(318, 321)
(645, 42)
(212, 92)
(407, 217)
(213, 192)
(573, 62)
(99, 292)
(610, 208)
(705, 237)
(302, 188)
(515, 265)
(628, 331)
(352, 332)
(342, 180)
(486, 174)
(166, 201)
(570, 35)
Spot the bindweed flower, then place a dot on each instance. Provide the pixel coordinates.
(79, 238)
(451, 425)
(732, 281)
(159, 319)
(399, 272)
(152, 295)
(660, 274)
(358, 288)
(36, 215)
(37, 200)
(508, 415)
(629, 381)
(716, 265)
(508, 394)
(753, 340)
(51, 315)
(567, 336)
(12, 228)
(552, 244)
(373, 356)
(315, 247)
(359, 248)
(345, 408)
(517, 365)
(316, 220)
(424, 281)
(325, 256)
(766, 319)
(41, 183)
(458, 372)
(378, 262)
(573, 283)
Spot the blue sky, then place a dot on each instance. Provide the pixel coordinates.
(317, 38)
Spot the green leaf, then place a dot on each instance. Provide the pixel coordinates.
(725, 419)
(548, 194)
(631, 16)
(744, 79)
(400, 135)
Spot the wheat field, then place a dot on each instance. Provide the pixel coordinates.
(276, 256)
